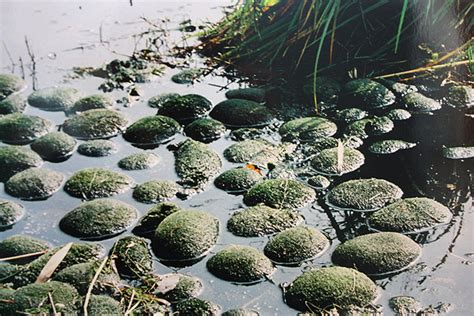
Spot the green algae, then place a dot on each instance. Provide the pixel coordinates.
(97, 148)
(252, 94)
(416, 102)
(10, 213)
(95, 101)
(139, 161)
(54, 98)
(14, 103)
(18, 128)
(153, 217)
(94, 124)
(329, 162)
(152, 130)
(34, 184)
(185, 107)
(205, 130)
(389, 146)
(155, 191)
(17, 245)
(237, 180)
(246, 150)
(54, 146)
(175, 287)
(14, 159)
(368, 94)
(237, 113)
(132, 257)
(280, 193)
(307, 129)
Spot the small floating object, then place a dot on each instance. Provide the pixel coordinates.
(404, 305)
(389, 146)
(245, 150)
(336, 162)
(185, 235)
(465, 152)
(54, 146)
(197, 306)
(132, 257)
(237, 113)
(331, 286)
(262, 220)
(153, 217)
(410, 216)
(350, 115)
(93, 124)
(238, 180)
(238, 263)
(319, 182)
(99, 219)
(34, 184)
(307, 129)
(368, 94)
(416, 102)
(158, 100)
(91, 183)
(139, 161)
(187, 76)
(95, 101)
(363, 195)
(185, 107)
(155, 191)
(295, 245)
(252, 94)
(14, 103)
(152, 130)
(54, 98)
(18, 245)
(205, 130)
(398, 115)
(9, 84)
(176, 287)
(18, 128)
(97, 148)
(10, 214)
(280, 193)
(461, 96)
(378, 253)
(14, 159)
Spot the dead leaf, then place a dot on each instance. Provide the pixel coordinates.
(254, 168)
(53, 264)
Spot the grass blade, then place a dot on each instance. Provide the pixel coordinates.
(53, 264)
(400, 24)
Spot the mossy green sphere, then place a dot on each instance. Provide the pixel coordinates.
(18, 128)
(332, 286)
(95, 101)
(377, 253)
(14, 103)
(94, 124)
(416, 102)
(350, 115)
(461, 152)
(398, 115)
(139, 161)
(185, 107)
(262, 220)
(34, 183)
(17, 245)
(368, 94)
(104, 305)
(158, 100)
(9, 84)
(252, 94)
(54, 146)
(245, 150)
(178, 287)
(196, 306)
(237, 113)
(10, 213)
(295, 245)
(185, 235)
(328, 161)
(461, 96)
(14, 159)
(280, 193)
(237, 180)
(152, 130)
(363, 195)
(97, 148)
(54, 98)
(307, 128)
(412, 215)
(389, 146)
(319, 182)
(132, 257)
(370, 127)
(149, 222)
(155, 191)
(240, 312)
(98, 219)
(94, 183)
(205, 130)
(404, 305)
(240, 264)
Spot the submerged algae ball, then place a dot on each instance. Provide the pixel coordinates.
(412, 215)
(153, 217)
(185, 107)
(363, 195)
(332, 286)
(252, 94)
(94, 183)
(280, 193)
(237, 180)
(132, 257)
(18, 128)
(155, 191)
(152, 130)
(240, 264)
(205, 130)
(185, 235)
(398, 115)
(96, 123)
(34, 184)
(95, 101)
(242, 113)
(389, 146)
(240, 312)
(307, 128)
(196, 306)
(245, 150)
(350, 115)
(54, 98)
(158, 100)
(368, 94)
(97, 148)
(262, 220)
(9, 84)
(17, 245)
(296, 245)
(139, 161)
(100, 218)
(14, 103)
(10, 213)
(178, 287)
(377, 253)
(54, 146)
(416, 102)
(14, 159)
(328, 161)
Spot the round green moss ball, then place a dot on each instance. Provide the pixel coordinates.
(158, 100)
(54, 146)
(240, 312)
(404, 305)
(139, 161)
(152, 130)
(34, 184)
(10, 213)
(307, 128)
(14, 103)
(155, 191)
(14, 159)
(18, 128)
(17, 245)
(185, 107)
(237, 180)
(153, 217)
(398, 115)
(97, 148)
(196, 306)
(242, 113)
(350, 115)
(328, 161)
(132, 257)
(368, 94)
(93, 124)
(104, 305)
(245, 150)
(54, 98)
(9, 84)
(416, 102)
(205, 130)
(389, 146)
(252, 94)
(95, 101)
(175, 287)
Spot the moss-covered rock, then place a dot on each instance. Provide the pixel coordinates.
(34, 184)
(252, 94)
(185, 107)
(54, 98)
(317, 145)
(363, 195)
(296, 245)
(104, 305)
(185, 235)
(368, 94)
(97, 148)
(307, 129)
(155, 191)
(460, 96)
(98, 219)
(462, 152)
(329, 162)
(332, 286)
(14, 103)
(14, 159)
(246, 133)
(54, 146)
(416, 102)
(240, 264)
(34, 298)
(93, 124)
(152, 130)
(389, 146)
(196, 306)
(91, 183)
(78, 253)
(9, 84)
(267, 158)
(261, 220)
(6, 299)
(196, 163)
(350, 115)
(280, 193)
(139, 161)
(352, 141)
(10, 213)
(7, 271)
(378, 253)
(398, 115)
(240, 312)
(412, 215)
(187, 76)
(237, 180)
(242, 113)
(370, 126)
(398, 88)
(158, 100)
(149, 222)
(404, 305)
(18, 128)
(319, 182)
(175, 287)
(205, 130)
(95, 101)
(245, 150)
(17, 245)
(80, 277)
(132, 257)
(327, 91)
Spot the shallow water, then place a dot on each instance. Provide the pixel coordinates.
(63, 34)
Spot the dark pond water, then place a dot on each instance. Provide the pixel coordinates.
(66, 34)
